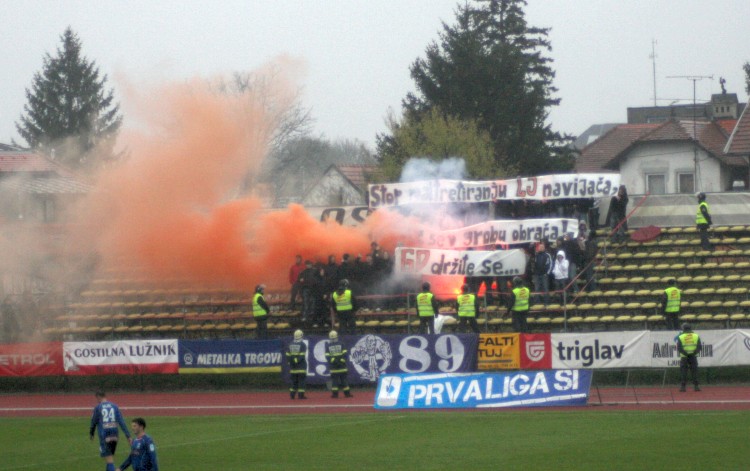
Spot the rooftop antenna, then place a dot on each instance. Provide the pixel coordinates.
(653, 62)
(694, 78)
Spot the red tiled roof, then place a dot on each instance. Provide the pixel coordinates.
(38, 174)
(25, 162)
(739, 141)
(606, 151)
(595, 156)
(727, 125)
(359, 175)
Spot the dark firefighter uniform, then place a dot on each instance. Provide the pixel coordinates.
(336, 355)
(688, 345)
(296, 356)
(427, 307)
(467, 307)
(260, 313)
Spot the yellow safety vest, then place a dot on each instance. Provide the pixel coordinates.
(699, 218)
(258, 310)
(424, 305)
(673, 299)
(689, 341)
(466, 305)
(343, 300)
(522, 299)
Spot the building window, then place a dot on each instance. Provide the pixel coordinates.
(685, 183)
(656, 184)
(48, 210)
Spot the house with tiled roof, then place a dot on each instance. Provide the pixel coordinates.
(34, 188)
(341, 185)
(675, 156)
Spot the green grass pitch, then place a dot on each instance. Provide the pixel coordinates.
(456, 440)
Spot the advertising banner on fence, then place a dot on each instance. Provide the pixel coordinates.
(520, 231)
(484, 390)
(536, 352)
(742, 347)
(413, 261)
(717, 348)
(123, 357)
(601, 350)
(31, 359)
(548, 187)
(371, 356)
(229, 356)
(498, 352)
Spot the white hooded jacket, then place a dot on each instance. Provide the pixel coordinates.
(560, 270)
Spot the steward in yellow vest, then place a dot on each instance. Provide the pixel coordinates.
(519, 305)
(467, 306)
(703, 221)
(688, 345)
(427, 308)
(344, 306)
(260, 312)
(670, 305)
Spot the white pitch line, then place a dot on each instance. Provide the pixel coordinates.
(213, 407)
(44, 465)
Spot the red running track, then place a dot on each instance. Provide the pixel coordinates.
(320, 402)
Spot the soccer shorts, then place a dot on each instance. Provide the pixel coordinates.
(107, 446)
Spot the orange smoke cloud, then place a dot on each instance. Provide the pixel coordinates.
(171, 209)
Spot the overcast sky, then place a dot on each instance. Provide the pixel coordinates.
(357, 53)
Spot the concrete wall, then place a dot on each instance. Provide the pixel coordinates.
(669, 159)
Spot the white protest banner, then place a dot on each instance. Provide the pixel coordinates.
(508, 231)
(601, 350)
(547, 187)
(419, 261)
(122, 357)
(717, 348)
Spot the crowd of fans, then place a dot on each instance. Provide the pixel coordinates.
(312, 282)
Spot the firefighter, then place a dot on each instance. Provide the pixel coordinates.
(670, 304)
(260, 312)
(689, 345)
(296, 356)
(427, 307)
(467, 305)
(344, 305)
(519, 305)
(336, 356)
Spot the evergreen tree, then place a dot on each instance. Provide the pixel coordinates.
(746, 68)
(490, 68)
(70, 115)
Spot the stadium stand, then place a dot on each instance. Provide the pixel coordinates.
(631, 277)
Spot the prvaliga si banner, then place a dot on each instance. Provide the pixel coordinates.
(420, 261)
(548, 187)
(484, 390)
